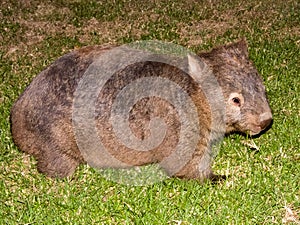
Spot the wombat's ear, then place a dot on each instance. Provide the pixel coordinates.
(196, 67)
(193, 63)
(241, 45)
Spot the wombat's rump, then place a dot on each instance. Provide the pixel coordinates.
(42, 116)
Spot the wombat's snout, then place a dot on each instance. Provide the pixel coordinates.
(265, 120)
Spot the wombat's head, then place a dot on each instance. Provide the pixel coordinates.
(247, 107)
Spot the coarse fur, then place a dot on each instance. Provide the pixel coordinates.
(42, 116)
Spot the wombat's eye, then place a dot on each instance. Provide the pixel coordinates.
(236, 101)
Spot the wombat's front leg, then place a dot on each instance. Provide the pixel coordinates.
(56, 164)
(192, 171)
(199, 168)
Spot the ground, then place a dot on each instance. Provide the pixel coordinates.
(263, 174)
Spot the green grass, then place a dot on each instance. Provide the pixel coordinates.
(263, 184)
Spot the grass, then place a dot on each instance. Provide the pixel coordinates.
(263, 184)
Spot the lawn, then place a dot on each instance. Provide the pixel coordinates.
(263, 184)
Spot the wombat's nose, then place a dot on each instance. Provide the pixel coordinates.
(265, 120)
(264, 124)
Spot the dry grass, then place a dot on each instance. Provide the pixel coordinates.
(213, 20)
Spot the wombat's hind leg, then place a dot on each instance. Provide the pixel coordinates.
(55, 164)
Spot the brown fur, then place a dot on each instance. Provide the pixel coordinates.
(42, 116)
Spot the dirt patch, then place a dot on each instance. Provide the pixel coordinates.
(198, 32)
(216, 19)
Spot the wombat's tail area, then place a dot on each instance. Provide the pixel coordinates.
(21, 136)
(56, 156)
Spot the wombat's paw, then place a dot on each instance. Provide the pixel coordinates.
(60, 167)
(214, 178)
(194, 171)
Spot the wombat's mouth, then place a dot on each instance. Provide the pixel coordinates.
(258, 129)
(254, 133)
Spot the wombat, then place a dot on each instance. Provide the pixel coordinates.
(42, 116)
